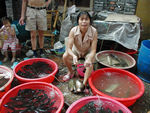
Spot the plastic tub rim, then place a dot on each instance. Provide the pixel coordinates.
(116, 98)
(30, 80)
(113, 51)
(10, 79)
(43, 83)
(95, 97)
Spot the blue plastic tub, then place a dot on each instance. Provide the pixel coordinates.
(143, 63)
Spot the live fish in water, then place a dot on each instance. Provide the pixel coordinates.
(121, 62)
(31, 101)
(90, 107)
(36, 70)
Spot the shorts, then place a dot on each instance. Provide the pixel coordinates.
(36, 19)
(80, 55)
(12, 45)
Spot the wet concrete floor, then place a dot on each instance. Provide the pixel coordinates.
(142, 105)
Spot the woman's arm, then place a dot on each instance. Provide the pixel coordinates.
(93, 50)
(69, 47)
(70, 43)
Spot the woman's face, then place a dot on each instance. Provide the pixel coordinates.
(84, 21)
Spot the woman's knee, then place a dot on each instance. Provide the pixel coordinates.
(66, 56)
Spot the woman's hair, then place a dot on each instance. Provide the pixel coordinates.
(84, 13)
(6, 20)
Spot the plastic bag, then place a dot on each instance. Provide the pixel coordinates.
(58, 45)
(67, 24)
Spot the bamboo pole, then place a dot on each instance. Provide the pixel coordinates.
(65, 7)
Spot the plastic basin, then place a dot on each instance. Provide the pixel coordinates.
(130, 59)
(126, 101)
(49, 78)
(51, 90)
(143, 61)
(106, 103)
(7, 85)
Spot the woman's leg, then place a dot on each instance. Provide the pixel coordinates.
(67, 59)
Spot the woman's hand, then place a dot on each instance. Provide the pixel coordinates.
(75, 60)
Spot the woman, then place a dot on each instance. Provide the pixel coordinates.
(82, 43)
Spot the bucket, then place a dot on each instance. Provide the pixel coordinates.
(128, 101)
(49, 78)
(100, 56)
(9, 73)
(104, 102)
(50, 90)
(143, 62)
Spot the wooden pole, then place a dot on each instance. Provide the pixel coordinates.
(65, 7)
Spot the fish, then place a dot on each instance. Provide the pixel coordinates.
(31, 100)
(88, 108)
(78, 86)
(71, 85)
(120, 111)
(91, 107)
(109, 60)
(35, 70)
(121, 62)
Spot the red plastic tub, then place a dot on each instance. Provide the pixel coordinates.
(49, 78)
(126, 101)
(8, 72)
(51, 90)
(104, 102)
